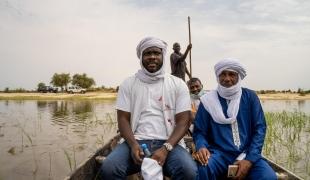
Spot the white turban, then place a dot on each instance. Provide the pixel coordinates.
(143, 74)
(151, 42)
(230, 64)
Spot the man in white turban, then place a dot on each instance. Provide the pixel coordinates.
(230, 128)
(153, 108)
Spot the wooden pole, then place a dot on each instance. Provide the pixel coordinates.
(190, 41)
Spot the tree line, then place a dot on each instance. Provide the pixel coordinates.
(299, 91)
(63, 79)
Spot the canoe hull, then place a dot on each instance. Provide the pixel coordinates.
(89, 168)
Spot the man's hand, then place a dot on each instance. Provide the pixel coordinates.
(137, 154)
(160, 155)
(189, 47)
(202, 156)
(244, 168)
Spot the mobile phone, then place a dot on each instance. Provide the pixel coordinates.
(232, 170)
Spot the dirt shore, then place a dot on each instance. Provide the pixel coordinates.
(58, 96)
(284, 96)
(112, 96)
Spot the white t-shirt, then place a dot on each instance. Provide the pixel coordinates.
(151, 124)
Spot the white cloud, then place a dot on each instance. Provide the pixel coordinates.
(39, 38)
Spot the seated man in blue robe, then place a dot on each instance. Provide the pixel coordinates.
(230, 128)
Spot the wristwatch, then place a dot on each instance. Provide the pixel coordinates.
(168, 146)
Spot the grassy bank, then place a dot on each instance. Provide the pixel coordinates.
(112, 96)
(284, 96)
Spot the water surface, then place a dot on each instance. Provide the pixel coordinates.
(48, 139)
(286, 105)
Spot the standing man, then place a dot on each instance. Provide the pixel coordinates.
(153, 108)
(230, 128)
(178, 63)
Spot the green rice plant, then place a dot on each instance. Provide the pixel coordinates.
(27, 135)
(287, 139)
(71, 160)
(96, 119)
(109, 118)
(67, 155)
(50, 170)
(100, 140)
(74, 159)
(36, 168)
(307, 158)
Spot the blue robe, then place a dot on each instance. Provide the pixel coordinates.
(218, 139)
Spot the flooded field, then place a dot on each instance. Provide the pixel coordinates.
(48, 139)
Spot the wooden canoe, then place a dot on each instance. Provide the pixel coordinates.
(89, 168)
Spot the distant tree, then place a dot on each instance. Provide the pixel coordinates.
(20, 90)
(82, 80)
(299, 90)
(61, 80)
(6, 90)
(41, 85)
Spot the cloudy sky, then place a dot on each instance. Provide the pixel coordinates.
(98, 37)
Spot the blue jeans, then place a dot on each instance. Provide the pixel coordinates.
(119, 164)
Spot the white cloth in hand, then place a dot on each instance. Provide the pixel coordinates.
(151, 170)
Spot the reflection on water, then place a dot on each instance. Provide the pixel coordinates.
(48, 139)
(286, 105)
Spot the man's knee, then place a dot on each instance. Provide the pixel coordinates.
(183, 165)
(268, 175)
(262, 170)
(204, 172)
(215, 169)
(190, 171)
(108, 169)
(184, 172)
